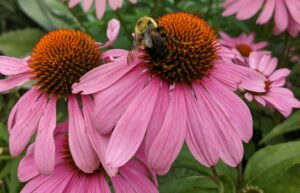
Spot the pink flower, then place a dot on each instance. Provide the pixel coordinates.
(100, 5)
(58, 60)
(275, 95)
(286, 13)
(243, 44)
(67, 177)
(185, 96)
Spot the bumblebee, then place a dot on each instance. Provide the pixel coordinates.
(152, 38)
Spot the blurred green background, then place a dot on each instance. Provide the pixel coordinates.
(272, 158)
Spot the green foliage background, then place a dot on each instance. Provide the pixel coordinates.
(272, 158)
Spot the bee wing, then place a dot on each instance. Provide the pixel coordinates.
(148, 40)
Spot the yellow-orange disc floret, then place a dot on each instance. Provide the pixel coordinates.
(60, 58)
(192, 43)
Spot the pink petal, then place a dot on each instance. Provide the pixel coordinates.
(100, 8)
(270, 67)
(281, 16)
(251, 10)
(267, 12)
(14, 81)
(167, 145)
(158, 116)
(115, 4)
(12, 66)
(81, 149)
(238, 117)
(19, 110)
(113, 54)
(112, 32)
(110, 104)
(57, 182)
(121, 185)
(72, 3)
(44, 154)
(130, 130)
(102, 77)
(199, 138)
(228, 142)
(25, 127)
(279, 74)
(248, 96)
(236, 7)
(96, 184)
(27, 169)
(87, 4)
(137, 181)
(98, 141)
(294, 9)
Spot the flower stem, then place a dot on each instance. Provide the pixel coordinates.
(156, 8)
(215, 175)
(240, 175)
(123, 24)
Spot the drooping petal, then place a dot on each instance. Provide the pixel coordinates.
(72, 3)
(281, 16)
(100, 8)
(12, 66)
(121, 185)
(112, 32)
(44, 154)
(96, 184)
(103, 76)
(229, 144)
(110, 104)
(267, 12)
(115, 4)
(14, 81)
(81, 149)
(56, 182)
(158, 116)
(137, 181)
(87, 4)
(251, 10)
(27, 170)
(21, 108)
(167, 145)
(130, 130)
(98, 141)
(200, 139)
(24, 128)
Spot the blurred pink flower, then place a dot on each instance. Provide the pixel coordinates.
(275, 95)
(100, 5)
(242, 44)
(56, 63)
(286, 13)
(139, 102)
(67, 177)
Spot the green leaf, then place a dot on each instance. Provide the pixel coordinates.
(184, 184)
(269, 163)
(19, 43)
(50, 14)
(290, 124)
(288, 183)
(227, 185)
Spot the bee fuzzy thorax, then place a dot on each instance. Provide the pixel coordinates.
(183, 48)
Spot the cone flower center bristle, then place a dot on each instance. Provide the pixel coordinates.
(60, 58)
(190, 48)
(244, 49)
